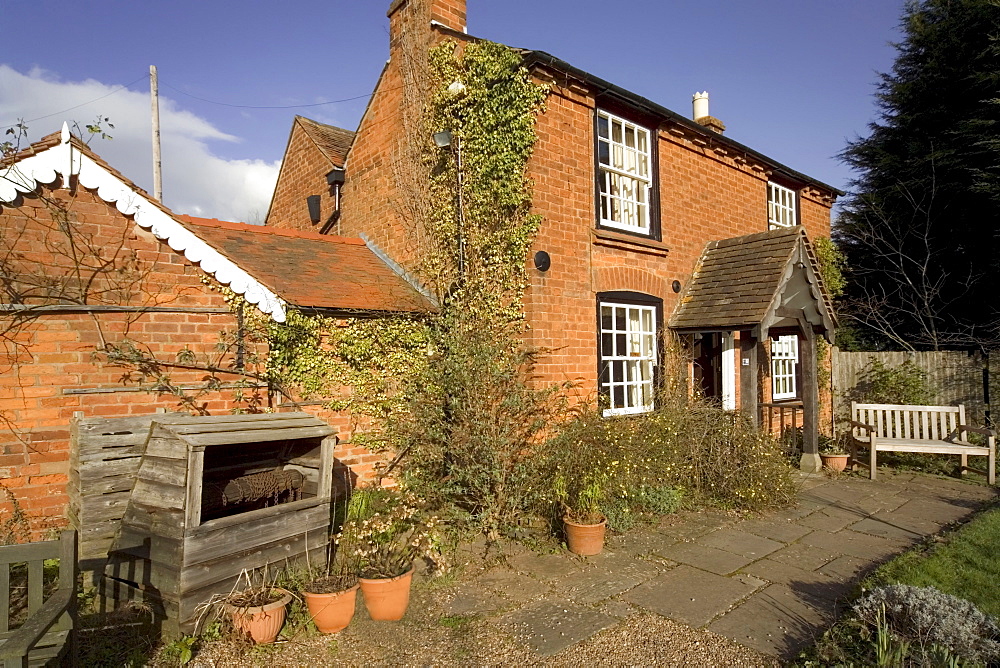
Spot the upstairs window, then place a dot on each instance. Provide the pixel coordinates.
(781, 203)
(784, 360)
(624, 182)
(627, 357)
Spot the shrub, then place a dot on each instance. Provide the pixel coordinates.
(920, 618)
(905, 383)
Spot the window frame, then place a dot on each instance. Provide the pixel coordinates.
(785, 367)
(774, 222)
(644, 304)
(649, 125)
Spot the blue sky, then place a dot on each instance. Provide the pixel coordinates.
(791, 78)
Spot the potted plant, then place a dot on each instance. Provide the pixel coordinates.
(258, 610)
(386, 536)
(833, 454)
(580, 503)
(331, 600)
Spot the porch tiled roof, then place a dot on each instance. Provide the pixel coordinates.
(736, 280)
(312, 270)
(334, 142)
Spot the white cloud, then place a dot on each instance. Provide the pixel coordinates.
(195, 181)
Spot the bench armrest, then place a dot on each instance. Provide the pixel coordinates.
(977, 430)
(862, 425)
(22, 640)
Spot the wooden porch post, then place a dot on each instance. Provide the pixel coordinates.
(749, 376)
(810, 461)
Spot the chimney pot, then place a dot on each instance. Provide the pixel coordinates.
(701, 115)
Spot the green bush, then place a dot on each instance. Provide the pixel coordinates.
(880, 383)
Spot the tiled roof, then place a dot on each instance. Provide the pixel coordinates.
(312, 270)
(334, 142)
(737, 281)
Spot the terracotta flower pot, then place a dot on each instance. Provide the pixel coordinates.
(332, 612)
(387, 598)
(835, 463)
(585, 539)
(261, 622)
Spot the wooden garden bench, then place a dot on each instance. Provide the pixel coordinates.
(924, 429)
(46, 633)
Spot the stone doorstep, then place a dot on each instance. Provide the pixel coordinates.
(692, 596)
(551, 625)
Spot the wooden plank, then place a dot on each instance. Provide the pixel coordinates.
(36, 580)
(261, 555)
(263, 423)
(187, 419)
(4, 597)
(154, 520)
(107, 469)
(168, 447)
(196, 467)
(212, 540)
(255, 436)
(166, 471)
(327, 448)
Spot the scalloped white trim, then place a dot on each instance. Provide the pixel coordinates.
(25, 175)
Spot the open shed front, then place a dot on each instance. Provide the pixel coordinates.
(212, 497)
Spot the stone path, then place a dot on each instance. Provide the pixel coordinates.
(773, 583)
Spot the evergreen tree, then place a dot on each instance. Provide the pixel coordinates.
(921, 229)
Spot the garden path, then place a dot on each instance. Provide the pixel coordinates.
(772, 583)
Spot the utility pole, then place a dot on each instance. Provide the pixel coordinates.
(154, 95)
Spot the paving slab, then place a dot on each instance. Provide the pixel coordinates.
(706, 558)
(692, 525)
(645, 542)
(546, 566)
(813, 584)
(784, 531)
(848, 569)
(854, 544)
(740, 542)
(806, 557)
(550, 626)
(475, 600)
(514, 586)
(775, 621)
(600, 583)
(833, 518)
(690, 595)
(892, 527)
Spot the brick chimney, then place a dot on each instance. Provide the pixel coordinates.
(701, 115)
(449, 13)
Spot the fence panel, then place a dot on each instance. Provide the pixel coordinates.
(953, 377)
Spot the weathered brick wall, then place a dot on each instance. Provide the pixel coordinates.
(37, 398)
(303, 173)
(706, 192)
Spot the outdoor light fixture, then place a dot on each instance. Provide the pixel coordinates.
(676, 286)
(442, 139)
(314, 212)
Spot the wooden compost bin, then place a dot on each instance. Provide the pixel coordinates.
(215, 496)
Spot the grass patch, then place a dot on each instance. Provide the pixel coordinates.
(965, 563)
(454, 621)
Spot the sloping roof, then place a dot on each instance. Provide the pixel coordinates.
(740, 283)
(312, 270)
(332, 141)
(533, 57)
(59, 157)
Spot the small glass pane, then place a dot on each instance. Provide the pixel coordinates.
(604, 153)
(606, 317)
(630, 137)
(602, 127)
(616, 131)
(618, 396)
(620, 314)
(620, 348)
(607, 345)
(605, 373)
(617, 371)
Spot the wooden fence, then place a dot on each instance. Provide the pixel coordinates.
(953, 377)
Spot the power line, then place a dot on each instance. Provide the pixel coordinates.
(252, 106)
(82, 104)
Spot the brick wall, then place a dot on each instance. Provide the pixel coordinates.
(303, 173)
(37, 398)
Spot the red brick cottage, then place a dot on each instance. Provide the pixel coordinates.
(88, 259)
(651, 221)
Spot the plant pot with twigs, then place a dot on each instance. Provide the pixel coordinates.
(258, 612)
(331, 600)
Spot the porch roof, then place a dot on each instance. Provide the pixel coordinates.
(764, 280)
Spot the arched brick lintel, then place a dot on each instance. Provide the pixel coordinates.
(612, 279)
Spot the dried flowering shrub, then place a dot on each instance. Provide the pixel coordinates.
(925, 617)
(388, 532)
